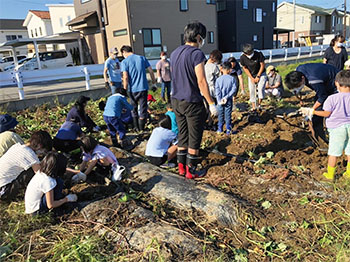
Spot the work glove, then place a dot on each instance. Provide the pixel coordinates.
(78, 178)
(107, 85)
(72, 198)
(223, 101)
(307, 112)
(213, 110)
(96, 128)
(154, 88)
(159, 80)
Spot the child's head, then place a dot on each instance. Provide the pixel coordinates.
(226, 68)
(102, 105)
(169, 107)
(53, 164)
(88, 144)
(165, 123)
(233, 61)
(216, 56)
(40, 141)
(342, 81)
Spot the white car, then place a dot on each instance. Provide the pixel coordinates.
(22, 61)
(50, 59)
(8, 60)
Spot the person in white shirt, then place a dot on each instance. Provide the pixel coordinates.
(44, 190)
(20, 162)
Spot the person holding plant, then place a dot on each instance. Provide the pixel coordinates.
(8, 137)
(44, 190)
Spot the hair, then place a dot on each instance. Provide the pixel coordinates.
(40, 140)
(216, 55)
(169, 106)
(126, 48)
(293, 79)
(226, 65)
(102, 105)
(337, 38)
(53, 164)
(165, 123)
(248, 48)
(343, 78)
(192, 30)
(88, 144)
(232, 60)
(163, 53)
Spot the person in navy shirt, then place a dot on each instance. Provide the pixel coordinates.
(112, 67)
(320, 78)
(68, 136)
(189, 87)
(135, 82)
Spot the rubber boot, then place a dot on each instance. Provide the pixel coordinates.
(181, 160)
(191, 167)
(135, 122)
(142, 123)
(115, 141)
(330, 173)
(347, 172)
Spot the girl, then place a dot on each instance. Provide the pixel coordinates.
(336, 54)
(44, 190)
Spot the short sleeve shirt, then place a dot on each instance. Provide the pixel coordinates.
(253, 64)
(8, 139)
(69, 131)
(339, 105)
(212, 72)
(172, 116)
(184, 59)
(164, 67)
(135, 66)
(113, 67)
(39, 185)
(159, 142)
(17, 159)
(100, 152)
(334, 59)
(275, 79)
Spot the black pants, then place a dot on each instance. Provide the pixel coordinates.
(157, 161)
(139, 99)
(11, 190)
(190, 118)
(65, 145)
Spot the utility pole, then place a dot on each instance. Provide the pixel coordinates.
(293, 38)
(103, 30)
(344, 20)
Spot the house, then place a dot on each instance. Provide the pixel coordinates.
(11, 29)
(60, 15)
(311, 22)
(245, 21)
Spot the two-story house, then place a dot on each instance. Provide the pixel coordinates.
(12, 29)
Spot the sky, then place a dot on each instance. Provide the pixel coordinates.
(18, 9)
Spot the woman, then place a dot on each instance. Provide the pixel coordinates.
(336, 54)
(274, 85)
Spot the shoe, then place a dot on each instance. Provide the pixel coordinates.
(330, 174)
(219, 132)
(117, 172)
(228, 132)
(168, 165)
(192, 173)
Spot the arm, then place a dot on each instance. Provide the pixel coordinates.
(125, 80)
(158, 73)
(241, 81)
(51, 203)
(262, 67)
(322, 113)
(267, 86)
(218, 92)
(150, 71)
(248, 73)
(36, 167)
(325, 60)
(316, 105)
(105, 74)
(202, 83)
(91, 165)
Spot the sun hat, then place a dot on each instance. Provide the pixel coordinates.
(270, 68)
(7, 122)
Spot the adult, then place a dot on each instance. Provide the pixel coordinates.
(164, 76)
(253, 63)
(78, 113)
(274, 85)
(135, 82)
(320, 78)
(189, 86)
(212, 70)
(336, 54)
(8, 137)
(112, 67)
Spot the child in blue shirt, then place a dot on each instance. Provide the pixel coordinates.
(68, 136)
(225, 88)
(172, 116)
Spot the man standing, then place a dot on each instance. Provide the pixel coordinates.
(135, 82)
(112, 66)
(163, 75)
(320, 78)
(188, 86)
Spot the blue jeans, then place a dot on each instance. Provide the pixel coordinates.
(57, 195)
(115, 125)
(167, 86)
(225, 112)
(114, 86)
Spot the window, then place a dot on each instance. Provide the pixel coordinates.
(211, 2)
(210, 37)
(61, 21)
(255, 38)
(120, 32)
(333, 20)
(41, 33)
(317, 19)
(302, 20)
(220, 5)
(183, 5)
(245, 4)
(19, 36)
(31, 32)
(152, 43)
(273, 6)
(11, 37)
(84, 1)
(339, 20)
(36, 32)
(258, 15)
(68, 18)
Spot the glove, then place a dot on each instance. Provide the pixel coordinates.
(223, 101)
(107, 85)
(72, 198)
(77, 178)
(213, 110)
(159, 80)
(307, 112)
(96, 129)
(154, 88)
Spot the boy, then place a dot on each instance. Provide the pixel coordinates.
(336, 109)
(225, 88)
(164, 76)
(172, 116)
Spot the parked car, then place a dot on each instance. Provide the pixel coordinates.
(8, 60)
(50, 59)
(20, 62)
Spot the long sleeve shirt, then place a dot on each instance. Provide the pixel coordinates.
(225, 87)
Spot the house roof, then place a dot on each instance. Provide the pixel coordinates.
(313, 8)
(41, 14)
(82, 18)
(14, 24)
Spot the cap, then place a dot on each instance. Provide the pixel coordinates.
(83, 99)
(114, 50)
(150, 98)
(7, 122)
(270, 68)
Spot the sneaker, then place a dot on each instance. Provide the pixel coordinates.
(192, 174)
(117, 172)
(168, 165)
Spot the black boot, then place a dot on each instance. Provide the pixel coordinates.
(181, 161)
(142, 124)
(135, 122)
(115, 141)
(191, 167)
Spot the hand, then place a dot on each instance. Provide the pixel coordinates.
(307, 112)
(78, 178)
(242, 91)
(159, 80)
(96, 128)
(213, 110)
(72, 198)
(107, 85)
(154, 88)
(256, 80)
(223, 101)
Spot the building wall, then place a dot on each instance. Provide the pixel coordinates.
(37, 23)
(318, 27)
(60, 15)
(285, 17)
(3, 33)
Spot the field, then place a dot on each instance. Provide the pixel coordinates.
(284, 211)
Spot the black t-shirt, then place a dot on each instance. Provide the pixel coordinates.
(253, 64)
(334, 59)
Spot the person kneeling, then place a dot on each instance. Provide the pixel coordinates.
(161, 146)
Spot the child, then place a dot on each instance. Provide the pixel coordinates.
(68, 136)
(158, 149)
(164, 75)
(336, 109)
(212, 70)
(113, 117)
(274, 85)
(172, 116)
(253, 63)
(237, 73)
(225, 88)
(20, 162)
(8, 137)
(94, 154)
(44, 190)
